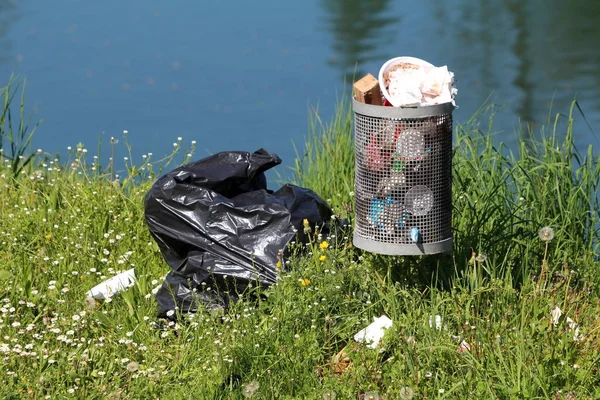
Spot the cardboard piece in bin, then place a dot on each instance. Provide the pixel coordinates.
(367, 90)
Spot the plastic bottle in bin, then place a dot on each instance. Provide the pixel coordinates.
(419, 200)
(381, 146)
(387, 214)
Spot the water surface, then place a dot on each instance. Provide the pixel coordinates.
(241, 75)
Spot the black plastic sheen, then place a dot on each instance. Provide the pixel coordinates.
(219, 228)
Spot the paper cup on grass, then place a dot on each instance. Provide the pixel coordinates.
(112, 286)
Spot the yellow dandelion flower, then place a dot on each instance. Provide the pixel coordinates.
(48, 236)
(305, 282)
(306, 225)
(323, 257)
(324, 245)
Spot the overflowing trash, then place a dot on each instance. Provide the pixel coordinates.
(220, 229)
(409, 81)
(403, 149)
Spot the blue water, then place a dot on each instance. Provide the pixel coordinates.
(242, 75)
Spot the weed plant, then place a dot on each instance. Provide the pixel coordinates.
(513, 313)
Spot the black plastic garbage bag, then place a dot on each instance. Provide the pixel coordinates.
(219, 228)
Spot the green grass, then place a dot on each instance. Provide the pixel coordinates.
(66, 227)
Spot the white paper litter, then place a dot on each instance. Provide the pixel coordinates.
(410, 84)
(577, 337)
(555, 314)
(373, 333)
(405, 86)
(114, 285)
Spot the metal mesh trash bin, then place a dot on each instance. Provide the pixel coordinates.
(403, 179)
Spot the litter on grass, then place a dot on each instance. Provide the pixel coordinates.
(221, 230)
(372, 334)
(112, 286)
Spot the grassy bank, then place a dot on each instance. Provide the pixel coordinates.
(483, 322)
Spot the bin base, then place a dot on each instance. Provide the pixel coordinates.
(392, 249)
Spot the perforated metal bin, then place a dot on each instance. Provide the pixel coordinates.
(403, 179)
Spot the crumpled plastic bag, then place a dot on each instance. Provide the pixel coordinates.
(220, 229)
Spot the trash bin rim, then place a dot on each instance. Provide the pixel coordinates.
(371, 110)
